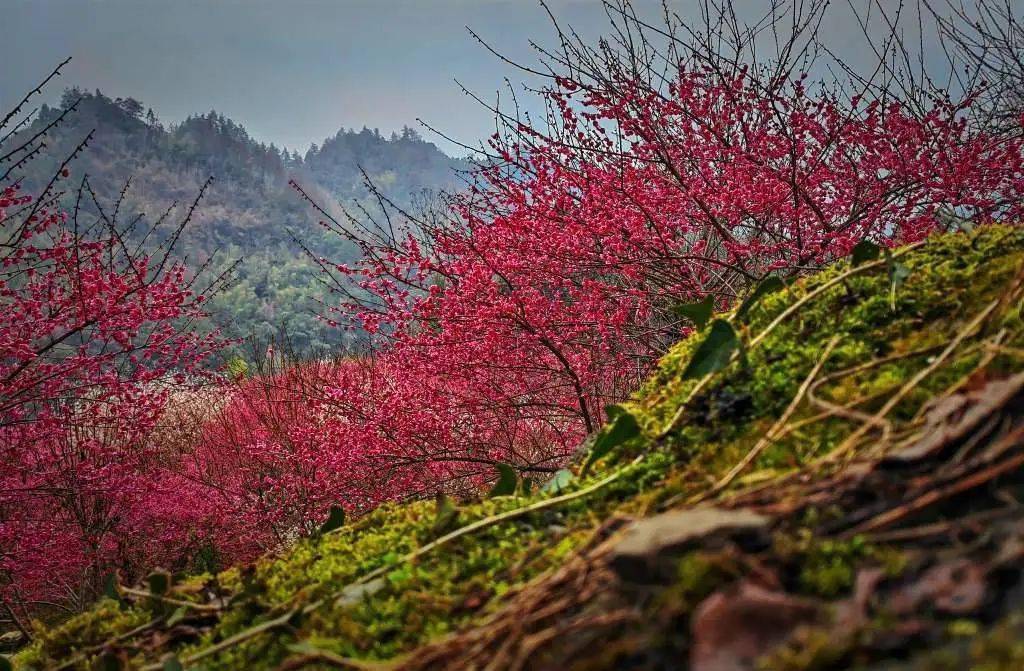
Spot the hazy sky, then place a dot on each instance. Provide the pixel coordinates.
(292, 71)
(295, 71)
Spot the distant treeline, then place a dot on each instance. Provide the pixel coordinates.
(249, 213)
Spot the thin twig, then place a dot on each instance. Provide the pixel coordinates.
(492, 520)
(328, 658)
(941, 528)
(991, 350)
(788, 312)
(777, 427)
(240, 637)
(205, 607)
(74, 661)
(960, 485)
(284, 619)
(911, 384)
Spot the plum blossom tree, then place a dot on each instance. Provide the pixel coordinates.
(673, 166)
(95, 332)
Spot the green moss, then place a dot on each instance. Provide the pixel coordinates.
(1001, 649)
(827, 568)
(78, 636)
(952, 278)
(811, 650)
(698, 574)
(997, 648)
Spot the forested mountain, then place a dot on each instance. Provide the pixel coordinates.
(400, 164)
(249, 210)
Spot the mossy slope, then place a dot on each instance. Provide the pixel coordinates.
(310, 604)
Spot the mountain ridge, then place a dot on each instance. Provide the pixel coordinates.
(249, 213)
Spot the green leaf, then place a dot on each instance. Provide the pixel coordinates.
(865, 251)
(5, 664)
(110, 587)
(305, 648)
(506, 484)
(714, 352)
(766, 286)
(335, 520)
(110, 662)
(171, 663)
(159, 582)
(898, 274)
(445, 515)
(698, 313)
(621, 427)
(614, 411)
(559, 481)
(177, 616)
(332, 659)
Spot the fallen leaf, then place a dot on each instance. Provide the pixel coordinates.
(732, 629)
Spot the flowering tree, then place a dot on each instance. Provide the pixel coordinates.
(664, 175)
(505, 318)
(94, 334)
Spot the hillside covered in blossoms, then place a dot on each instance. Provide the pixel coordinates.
(714, 363)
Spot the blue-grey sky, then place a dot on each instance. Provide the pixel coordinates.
(292, 71)
(295, 71)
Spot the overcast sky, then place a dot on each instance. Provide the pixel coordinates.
(295, 71)
(291, 71)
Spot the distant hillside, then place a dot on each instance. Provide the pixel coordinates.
(249, 210)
